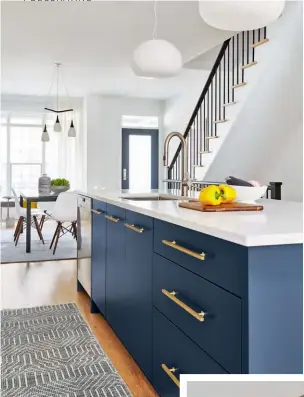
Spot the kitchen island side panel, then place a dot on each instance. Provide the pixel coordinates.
(273, 311)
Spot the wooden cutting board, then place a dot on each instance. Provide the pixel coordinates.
(197, 206)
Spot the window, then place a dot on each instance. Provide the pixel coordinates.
(24, 157)
(3, 158)
(139, 163)
(142, 122)
(21, 152)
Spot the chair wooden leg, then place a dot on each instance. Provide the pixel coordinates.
(38, 228)
(57, 237)
(19, 229)
(42, 222)
(55, 234)
(74, 233)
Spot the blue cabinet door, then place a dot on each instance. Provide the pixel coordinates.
(137, 335)
(98, 261)
(115, 269)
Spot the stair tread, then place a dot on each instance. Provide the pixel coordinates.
(220, 121)
(205, 152)
(259, 43)
(198, 165)
(239, 85)
(229, 103)
(248, 65)
(211, 137)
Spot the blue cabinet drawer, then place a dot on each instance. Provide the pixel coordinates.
(115, 213)
(218, 332)
(99, 206)
(221, 263)
(173, 349)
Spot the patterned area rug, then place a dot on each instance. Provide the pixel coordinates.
(49, 351)
(67, 246)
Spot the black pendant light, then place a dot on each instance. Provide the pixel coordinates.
(57, 126)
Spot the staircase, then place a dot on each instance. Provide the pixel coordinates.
(213, 115)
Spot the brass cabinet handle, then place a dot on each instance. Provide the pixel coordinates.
(134, 228)
(111, 218)
(170, 373)
(97, 212)
(172, 295)
(173, 244)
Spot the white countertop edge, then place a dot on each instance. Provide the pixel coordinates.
(244, 240)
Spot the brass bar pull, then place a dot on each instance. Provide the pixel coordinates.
(111, 218)
(170, 373)
(97, 212)
(134, 228)
(172, 295)
(173, 244)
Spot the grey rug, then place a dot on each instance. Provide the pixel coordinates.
(49, 351)
(66, 249)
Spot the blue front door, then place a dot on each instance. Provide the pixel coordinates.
(139, 159)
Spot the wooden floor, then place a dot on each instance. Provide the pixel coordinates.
(49, 283)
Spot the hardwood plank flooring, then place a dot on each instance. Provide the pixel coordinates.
(50, 283)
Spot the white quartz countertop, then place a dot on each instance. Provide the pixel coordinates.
(281, 222)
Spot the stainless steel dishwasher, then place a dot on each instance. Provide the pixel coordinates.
(84, 241)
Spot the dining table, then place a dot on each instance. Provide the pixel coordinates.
(33, 197)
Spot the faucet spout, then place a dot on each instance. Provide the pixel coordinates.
(184, 172)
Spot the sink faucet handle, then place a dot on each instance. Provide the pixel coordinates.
(187, 179)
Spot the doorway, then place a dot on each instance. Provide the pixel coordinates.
(139, 159)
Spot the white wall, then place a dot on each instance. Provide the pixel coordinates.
(266, 140)
(104, 115)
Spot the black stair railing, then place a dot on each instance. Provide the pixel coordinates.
(227, 74)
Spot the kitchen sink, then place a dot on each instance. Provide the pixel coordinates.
(160, 197)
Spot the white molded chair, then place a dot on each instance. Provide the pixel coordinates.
(47, 208)
(65, 210)
(21, 215)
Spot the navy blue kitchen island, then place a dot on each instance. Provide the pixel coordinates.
(187, 302)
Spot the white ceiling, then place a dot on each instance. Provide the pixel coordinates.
(95, 41)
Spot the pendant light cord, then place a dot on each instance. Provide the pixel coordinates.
(50, 89)
(155, 21)
(65, 87)
(57, 65)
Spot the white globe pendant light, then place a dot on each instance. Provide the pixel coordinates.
(156, 58)
(240, 15)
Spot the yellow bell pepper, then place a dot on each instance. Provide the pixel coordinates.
(228, 193)
(210, 195)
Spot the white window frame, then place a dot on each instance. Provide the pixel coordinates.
(8, 126)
